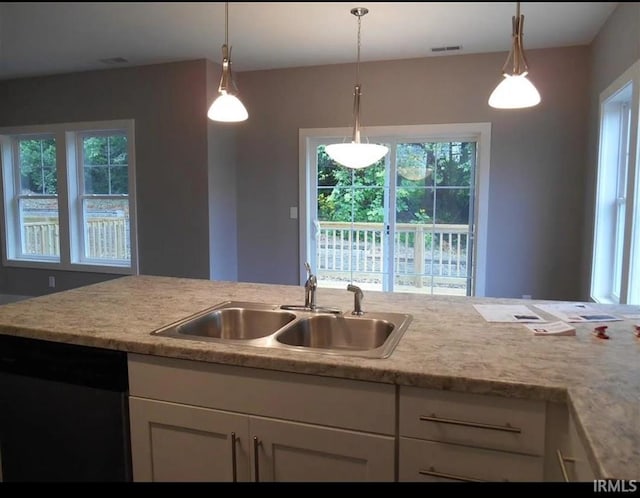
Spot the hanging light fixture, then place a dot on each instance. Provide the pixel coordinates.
(515, 91)
(227, 107)
(356, 154)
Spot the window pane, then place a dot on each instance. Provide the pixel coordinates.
(415, 163)
(96, 179)
(454, 163)
(38, 166)
(452, 206)
(106, 228)
(347, 204)
(119, 180)
(118, 153)
(331, 173)
(105, 163)
(414, 205)
(39, 226)
(95, 151)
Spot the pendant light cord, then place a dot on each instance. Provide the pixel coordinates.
(516, 53)
(358, 12)
(226, 23)
(358, 52)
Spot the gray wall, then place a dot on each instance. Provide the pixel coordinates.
(223, 260)
(537, 157)
(168, 103)
(614, 50)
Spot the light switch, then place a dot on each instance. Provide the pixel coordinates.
(293, 212)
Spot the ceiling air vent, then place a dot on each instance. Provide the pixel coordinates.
(114, 60)
(451, 48)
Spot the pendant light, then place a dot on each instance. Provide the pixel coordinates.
(227, 107)
(356, 154)
(515, 91)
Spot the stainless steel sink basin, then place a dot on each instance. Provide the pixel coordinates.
(337, 332)
(372, 335)
(231, 321)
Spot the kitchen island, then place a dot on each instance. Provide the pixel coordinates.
(448, 346)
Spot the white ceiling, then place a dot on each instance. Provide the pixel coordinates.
(56, 37)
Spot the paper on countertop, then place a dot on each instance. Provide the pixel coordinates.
(553, 328)
(632, 316)
(513, 313)
(577, 312)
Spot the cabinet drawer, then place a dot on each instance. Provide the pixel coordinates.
(433, 461)
(485, 421)
(348, 404)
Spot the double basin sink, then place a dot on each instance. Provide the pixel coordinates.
(372, 335)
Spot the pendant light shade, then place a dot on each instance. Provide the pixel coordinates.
(227, 107)
(356, 154)
(515, 91)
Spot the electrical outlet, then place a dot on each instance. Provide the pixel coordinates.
(52, 282)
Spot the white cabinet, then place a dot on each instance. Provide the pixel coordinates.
(454, 436)
(196, 421)
(567, 459)
(288, 451)
(172, 442)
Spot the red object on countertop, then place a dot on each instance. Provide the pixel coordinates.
(600, 332)
(637, 330)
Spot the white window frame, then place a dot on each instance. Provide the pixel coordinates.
(11, 154)
(309, 138)
(70, 175)
(616, 235)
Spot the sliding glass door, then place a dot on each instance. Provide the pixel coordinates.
(403, 224)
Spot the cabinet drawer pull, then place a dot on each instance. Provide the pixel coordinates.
(563, 469)
(504, 428)
(256, 461)
(234, 467)
(434, 473)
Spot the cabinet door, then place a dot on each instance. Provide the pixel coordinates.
(288, 451)
(171, 442)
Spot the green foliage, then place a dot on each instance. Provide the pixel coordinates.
(442, 169)
(38, 166)
(105, 165)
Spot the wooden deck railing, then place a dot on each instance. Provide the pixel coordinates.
(105, 238)
(420, 250)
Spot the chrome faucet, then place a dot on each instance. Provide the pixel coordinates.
(357, 299)
(310, 287)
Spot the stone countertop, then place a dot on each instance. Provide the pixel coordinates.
(448, 345)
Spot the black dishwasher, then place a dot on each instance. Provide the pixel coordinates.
(63, 412)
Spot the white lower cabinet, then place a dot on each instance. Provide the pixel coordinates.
(173, 442)
(222, 434)
(567, 459)
(451, 436)
(199, 421)
(288, 451)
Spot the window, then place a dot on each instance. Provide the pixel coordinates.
(69, 197)
(617, 212)
(413, 222)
